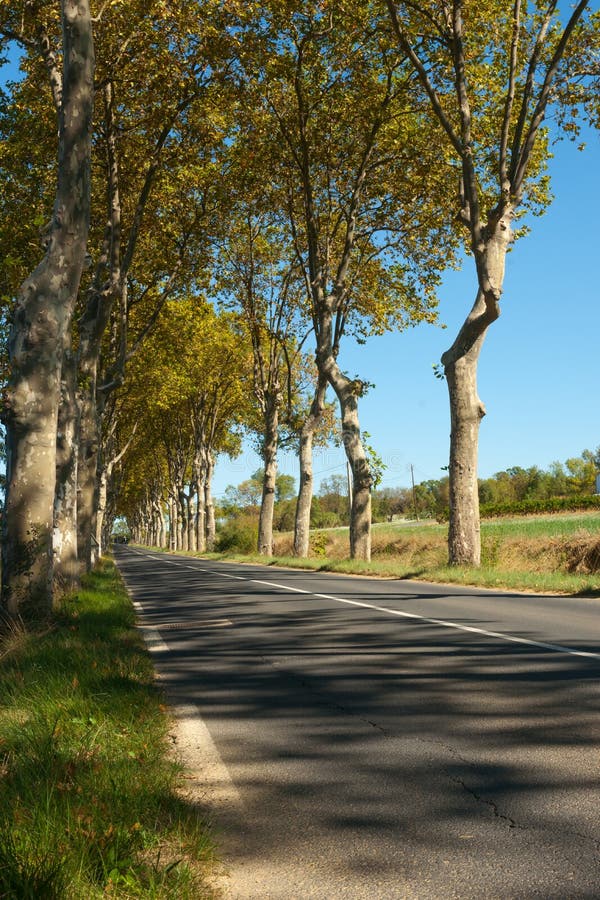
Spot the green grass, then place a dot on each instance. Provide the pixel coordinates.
(89, 796)
(553, 525)
(486, 576)
(555, 553)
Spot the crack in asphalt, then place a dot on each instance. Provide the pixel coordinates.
(317, 693)
(512, 823)
(491, 803)
(452, 751)
(480, 798)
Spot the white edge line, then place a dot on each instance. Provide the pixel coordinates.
(558, 648)
(200, 750)
(152, 637)
(469, 629)
(203, 758)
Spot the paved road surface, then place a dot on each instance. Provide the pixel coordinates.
(387, 739)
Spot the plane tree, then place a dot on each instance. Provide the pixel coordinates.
(186, 392)
(491, 73)
(163, 111)
(257, 274)
(161, 100)
(41, 326)
(363, 185)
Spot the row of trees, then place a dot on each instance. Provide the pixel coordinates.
(256, 184)
(151, 76)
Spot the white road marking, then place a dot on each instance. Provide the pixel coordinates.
(153, 639)
(470, 629)
(284, 587)
(203, 758)
(182, 565)
(559, 648)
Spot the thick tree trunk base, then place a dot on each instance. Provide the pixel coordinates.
(467, 411)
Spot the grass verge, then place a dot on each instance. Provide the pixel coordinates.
(557, 553)
(89, 796)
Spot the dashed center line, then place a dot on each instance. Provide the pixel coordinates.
(442, 623)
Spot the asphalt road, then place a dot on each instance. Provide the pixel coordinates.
(386, 739)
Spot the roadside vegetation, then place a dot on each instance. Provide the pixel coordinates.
(90, 799)
(547, 553)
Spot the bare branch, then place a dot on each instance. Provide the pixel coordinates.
(529, 86)
(148, 182)
(543, 99)
(510, 99)
(469, 192)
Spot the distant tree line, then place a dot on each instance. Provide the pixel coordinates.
(508, 491)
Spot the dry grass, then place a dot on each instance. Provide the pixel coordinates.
(578, 555)
(560, 553)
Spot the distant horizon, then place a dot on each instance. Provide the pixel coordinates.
(248, 463)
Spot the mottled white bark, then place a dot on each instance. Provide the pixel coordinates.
(162, 535)
(41, 322)
(305, 457)
(64, 541)
(101, 504)
(269, 456)
(360, 512)
(211, 525)
(92, 325)
(466, 409)
(191, 531)
(173, 524)
(347, 392)
(200, 516)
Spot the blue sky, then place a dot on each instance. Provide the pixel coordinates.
(538, 373)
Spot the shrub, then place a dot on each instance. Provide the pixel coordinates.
(237, 536)
(318, 543)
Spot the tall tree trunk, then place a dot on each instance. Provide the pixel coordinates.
(162, 537)
(200, 520)
(173, 527)
(305, 455)
(92, 326)
(183, 521)
(64, 544)
(101, 501)
(107, 530)
(42, 319)
(269, 455)
(347, 392)
(466, 413)
(209, 506)
(466, 409)
(191, 519)
(87, 471)
(360, 512)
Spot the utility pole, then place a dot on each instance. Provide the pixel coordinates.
(412, 476)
